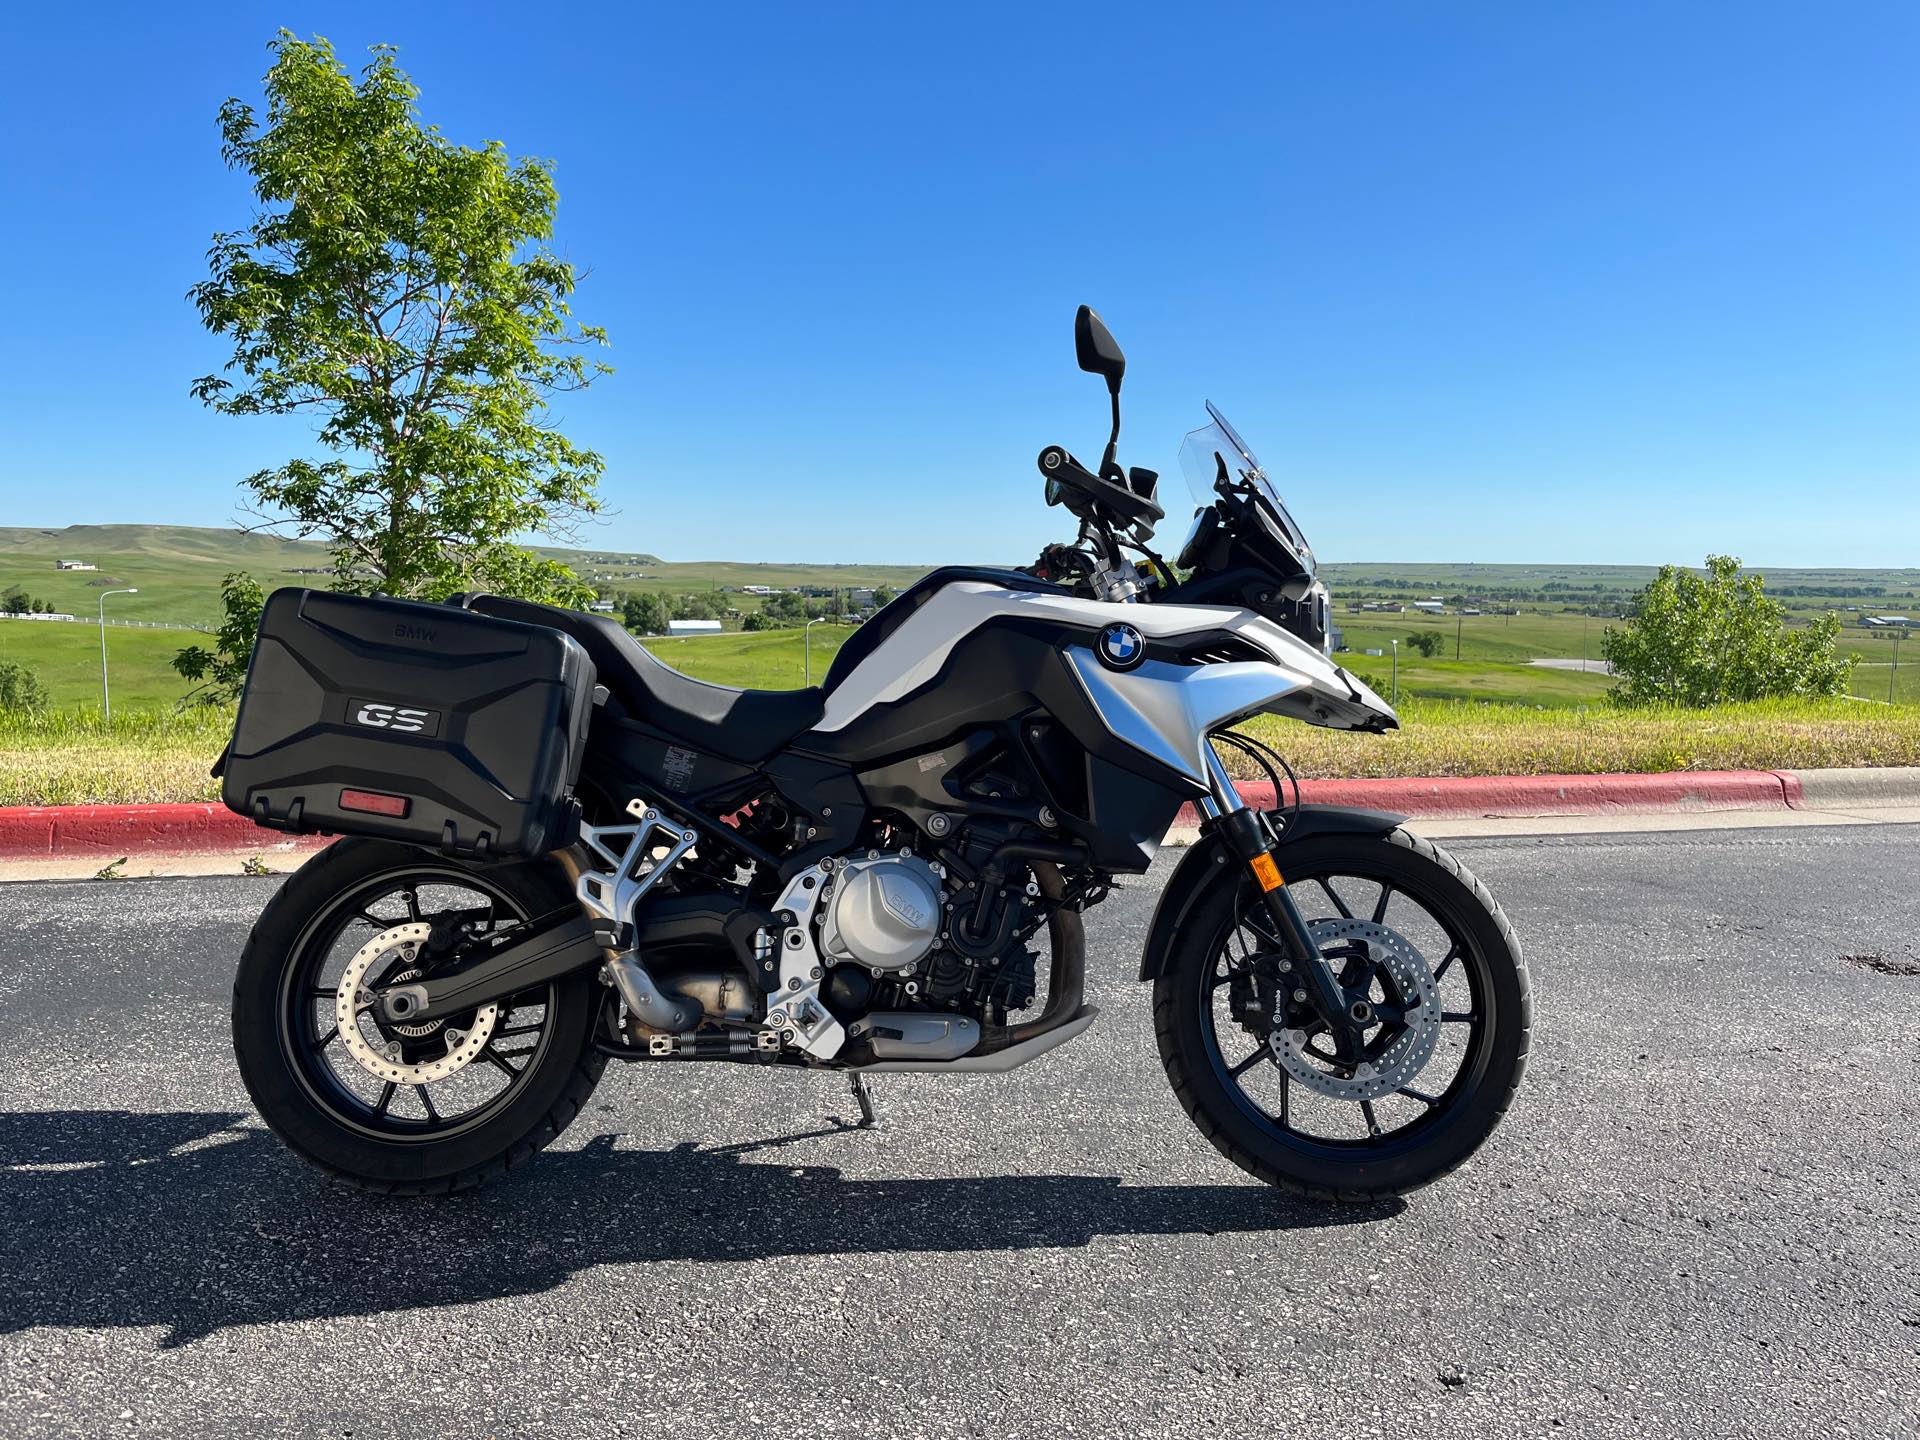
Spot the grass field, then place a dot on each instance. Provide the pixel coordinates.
(66, 657)
(178, 571)
(158, 756)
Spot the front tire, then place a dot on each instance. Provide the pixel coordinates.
(515, 1096)
(1202, 1013)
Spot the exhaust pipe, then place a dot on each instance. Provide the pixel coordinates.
(646, 1001)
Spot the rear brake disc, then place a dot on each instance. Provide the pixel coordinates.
(380, 1057)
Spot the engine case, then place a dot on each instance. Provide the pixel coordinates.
(886, 913)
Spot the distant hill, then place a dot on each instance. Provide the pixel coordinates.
(178, 568)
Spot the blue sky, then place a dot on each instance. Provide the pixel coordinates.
(1493, 282)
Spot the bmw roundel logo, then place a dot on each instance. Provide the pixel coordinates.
(1121, 647)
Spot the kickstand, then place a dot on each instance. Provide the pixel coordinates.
(864, 1098)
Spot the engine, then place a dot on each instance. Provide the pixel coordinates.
(892, 939)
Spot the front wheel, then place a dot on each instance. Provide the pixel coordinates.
(1413, 936)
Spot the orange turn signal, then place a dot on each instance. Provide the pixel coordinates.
(1266, 872)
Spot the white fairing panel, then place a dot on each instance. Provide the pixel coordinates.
(1166, 711)
(1301, 683)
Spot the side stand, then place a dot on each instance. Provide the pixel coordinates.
(864, 1098)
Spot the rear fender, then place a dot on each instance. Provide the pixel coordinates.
(1207, 860)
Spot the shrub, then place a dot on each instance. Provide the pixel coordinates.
(21, 691)
(1705, 640)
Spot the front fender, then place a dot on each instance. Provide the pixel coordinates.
(1207, 859)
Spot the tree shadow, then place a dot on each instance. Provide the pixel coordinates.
(200, 1220)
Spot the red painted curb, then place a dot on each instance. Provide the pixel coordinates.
(38, 832)
(1526, 796)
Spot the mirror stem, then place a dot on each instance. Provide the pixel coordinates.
(1107, 466)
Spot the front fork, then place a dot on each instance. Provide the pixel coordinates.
(1304, 970)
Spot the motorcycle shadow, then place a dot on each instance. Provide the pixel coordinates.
(197, 1221)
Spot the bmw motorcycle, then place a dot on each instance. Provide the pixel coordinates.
(556, 851)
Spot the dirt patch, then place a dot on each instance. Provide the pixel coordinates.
(1906, 966)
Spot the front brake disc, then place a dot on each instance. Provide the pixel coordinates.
(1391, 954)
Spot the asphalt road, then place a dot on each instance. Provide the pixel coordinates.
(1699, 1220)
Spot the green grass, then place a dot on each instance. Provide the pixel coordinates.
(66, 657)
(1441, 737)
(156, 756)
(141, 756)
(756, 660)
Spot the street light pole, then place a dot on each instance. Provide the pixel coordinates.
(106, 701)
(1395, 701)
(806, 637)
(1894, 674)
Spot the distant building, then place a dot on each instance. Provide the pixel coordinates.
(73, 565)
(601, 607)
(5, 616)
(1430, 607)
(693, 627)
(1888, 622)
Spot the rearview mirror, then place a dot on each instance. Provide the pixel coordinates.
(1098, 351)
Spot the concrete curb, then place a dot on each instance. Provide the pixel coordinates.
(41, 832)
(47, 832)
(1862, 789)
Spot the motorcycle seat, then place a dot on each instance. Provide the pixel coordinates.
(747, 726)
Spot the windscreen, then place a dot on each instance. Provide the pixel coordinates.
(1201, 455)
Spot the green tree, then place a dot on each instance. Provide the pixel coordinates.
(397, 288)
(757, 620)
(218, 674)
(20, 689)
(882, 595)
(1700, 640)
(646, 614)
(1427, 642)
(15, 602)
(788, 608)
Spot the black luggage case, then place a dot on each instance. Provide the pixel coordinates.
(415, 722)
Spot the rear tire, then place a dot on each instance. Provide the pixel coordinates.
(1357, 1170)
(317, 1119)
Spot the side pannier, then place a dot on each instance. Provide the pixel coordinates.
(424, 723)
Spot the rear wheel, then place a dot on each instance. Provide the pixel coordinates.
(405, 1109)
(1415, 940)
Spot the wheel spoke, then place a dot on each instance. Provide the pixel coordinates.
(499, 1062)
(1446, 961)
(1412, 1094)
(1373, 1125)
(1457, 1017)
(386, 1098)
(532, 1027)
(1241, 1067)
(374, 920)
(1268, 936)
(413, 903)
(323, 992)
(427, 1101)
(327, 1039)
(1380, 910)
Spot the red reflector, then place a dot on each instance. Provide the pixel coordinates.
(374, 803)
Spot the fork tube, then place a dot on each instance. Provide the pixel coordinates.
(1247, 838)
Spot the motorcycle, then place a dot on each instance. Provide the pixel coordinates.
(557, 851)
